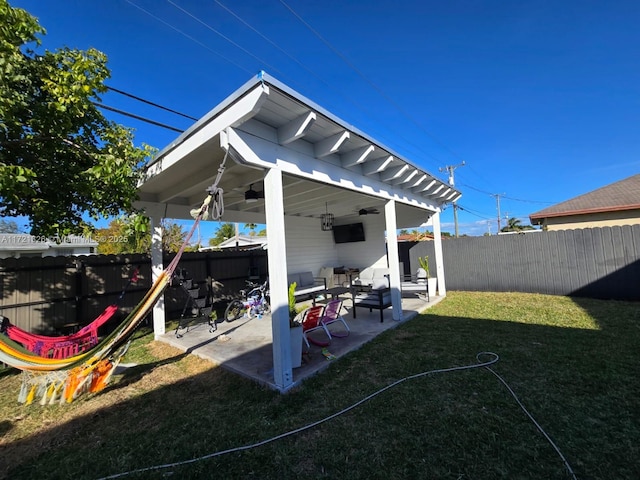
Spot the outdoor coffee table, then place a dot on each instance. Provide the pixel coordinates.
(335, 292)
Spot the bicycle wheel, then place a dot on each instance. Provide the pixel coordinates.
(234, 310)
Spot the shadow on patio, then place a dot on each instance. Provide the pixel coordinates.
(245, 346)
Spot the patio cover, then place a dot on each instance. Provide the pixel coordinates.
(301, 160)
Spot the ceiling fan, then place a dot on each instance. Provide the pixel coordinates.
(252, 195)
(368, 211)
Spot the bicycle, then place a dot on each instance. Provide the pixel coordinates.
(253, 302)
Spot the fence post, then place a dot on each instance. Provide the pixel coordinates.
(80, 294)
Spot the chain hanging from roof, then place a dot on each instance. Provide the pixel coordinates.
(326, 219)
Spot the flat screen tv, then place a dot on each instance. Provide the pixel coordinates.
(353, 232)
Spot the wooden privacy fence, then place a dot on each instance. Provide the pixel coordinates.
(54, 295)
(58, 294)
(596, 262)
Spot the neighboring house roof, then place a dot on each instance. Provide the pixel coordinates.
(617, 196)
(23, 243)
(413, 237)
(243, 242)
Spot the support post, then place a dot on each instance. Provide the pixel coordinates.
(157, 266)
(437, 240)
(394, 259)
(278, 285)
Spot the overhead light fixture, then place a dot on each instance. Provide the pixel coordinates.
(251, 195)
(326, 219)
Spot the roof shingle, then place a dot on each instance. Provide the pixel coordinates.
(621, 195)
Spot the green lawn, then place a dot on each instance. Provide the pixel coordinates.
(572, 362)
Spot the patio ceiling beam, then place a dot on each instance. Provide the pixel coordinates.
(445, 193)
(425, 188)
(251, 150)
(178, 189)
(420, 179)
(296, 128)
(357, 156)
(404, 178)
(436, 191)
(377, 165)
(330, 144)
(394, 173)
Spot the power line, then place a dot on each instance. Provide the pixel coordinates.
(189, 37)
(326, 42)
(387, 97)
(137, 117)
(150, 103)
(366, 79)
(473, 212)
(505, 196)
(347, 97)
(221, 35)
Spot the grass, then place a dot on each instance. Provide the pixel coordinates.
(572, 362)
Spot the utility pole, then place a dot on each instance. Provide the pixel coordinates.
(498, 195)
(450, 169)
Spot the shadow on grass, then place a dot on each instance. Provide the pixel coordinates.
(580, 384)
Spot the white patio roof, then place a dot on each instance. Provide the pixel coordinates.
(305, 161)
(326, 163)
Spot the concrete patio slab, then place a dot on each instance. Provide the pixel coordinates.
(245, 345)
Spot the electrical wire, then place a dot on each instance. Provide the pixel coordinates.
(370, 82)
(493, 358)
(189, 37)
(473, 212)
(504, 196)
(148, 102)
(197, 19)
(327, 43)
(137, 117)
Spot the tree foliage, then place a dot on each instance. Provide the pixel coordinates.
(514, 225)
(132, 234)
(59, 156)
(9, 226)
(225, 231)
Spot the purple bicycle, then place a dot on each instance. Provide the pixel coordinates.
(252, 302)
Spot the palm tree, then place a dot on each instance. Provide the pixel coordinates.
(251, 227)
(514, 225)
(226, 230)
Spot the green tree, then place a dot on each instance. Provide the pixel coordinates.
(514, 225)
(251, 227)
(9, 226)
(132, 234)
(59, 156)
(225, 231)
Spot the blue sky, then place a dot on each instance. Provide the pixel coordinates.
(540, 99)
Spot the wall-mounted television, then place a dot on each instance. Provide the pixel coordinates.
(353, 232)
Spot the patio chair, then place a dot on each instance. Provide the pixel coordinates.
(311, 321)
(412, 286)
(332, 315)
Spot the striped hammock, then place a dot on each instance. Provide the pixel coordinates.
(67, 345)
(64, 379)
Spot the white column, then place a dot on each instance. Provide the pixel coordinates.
(394, 259)
(277, 261)
(157, 267)
(437, 238)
